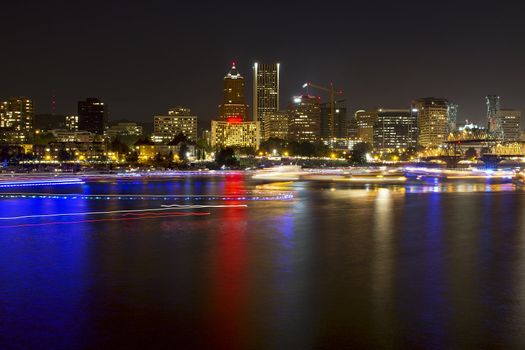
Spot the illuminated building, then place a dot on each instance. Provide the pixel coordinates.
(493, 106)
(72, 122)
(452, 116)
(16, 119)
(395, 129)
(124, 129)
(147, 152)
(365, 121)
(233, 103)
(340, 128)
(304, 119)
(180, 111)
(275, 125)
(179, 120)
(432, 120)
(265, 91)
(235, 132)
(509, 121)
(62, 135)
(92, 116)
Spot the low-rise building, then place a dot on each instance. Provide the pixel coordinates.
(233, 132)
(124, 129)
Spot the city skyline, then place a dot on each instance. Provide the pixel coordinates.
(375, 67)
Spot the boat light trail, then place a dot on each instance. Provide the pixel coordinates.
(179, 207)
(264, 196)
(41, 182)
(142, 217)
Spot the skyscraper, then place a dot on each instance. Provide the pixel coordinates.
(510, 123)
(16, 119)
(493, 106)
(395, 129)
(304, 119)
(92, 115)
(233, 103)
(265, 90)
(340, 130)
(452, 116)
(432, 120)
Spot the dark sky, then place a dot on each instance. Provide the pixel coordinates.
(143, 57)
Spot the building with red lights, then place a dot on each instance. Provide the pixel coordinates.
(234, 104)
(234, 132)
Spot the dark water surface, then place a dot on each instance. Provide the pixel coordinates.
(392, 267)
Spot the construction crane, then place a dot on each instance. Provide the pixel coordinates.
(332, 92)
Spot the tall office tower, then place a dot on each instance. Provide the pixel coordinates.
(304, 119)
(351, 127)
(510, 123)
(395, 129)
(339, 120)
(493, 106)
(276, 125)
(16, 119)
(365, 121)
(432, 120)
(233, 104)
(452, 116)
(179, 120)
(92, 115)
(265, 90)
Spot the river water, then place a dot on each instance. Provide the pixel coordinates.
(435, 266)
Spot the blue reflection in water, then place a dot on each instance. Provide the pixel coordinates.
(45, 277)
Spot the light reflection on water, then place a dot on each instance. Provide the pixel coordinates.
(430, 266)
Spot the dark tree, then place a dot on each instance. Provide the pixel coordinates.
(359, 152)
(471, 153)
(226, 157)
(183, 149)
(118, 146)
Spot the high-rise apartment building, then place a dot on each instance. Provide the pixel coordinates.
(395, 129)
(365, 121)
(179, 120)
(234, 104)
(432, 120)
(304, 119)
(510, 123)
(340, 129)
(493, 106)
(92, 115)
(275, 125)
(265, 90)
(16, 119)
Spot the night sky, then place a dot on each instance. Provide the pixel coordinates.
(143, 57)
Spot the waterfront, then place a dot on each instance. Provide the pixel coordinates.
(427, 266)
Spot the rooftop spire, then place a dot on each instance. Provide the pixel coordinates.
(233, 73)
